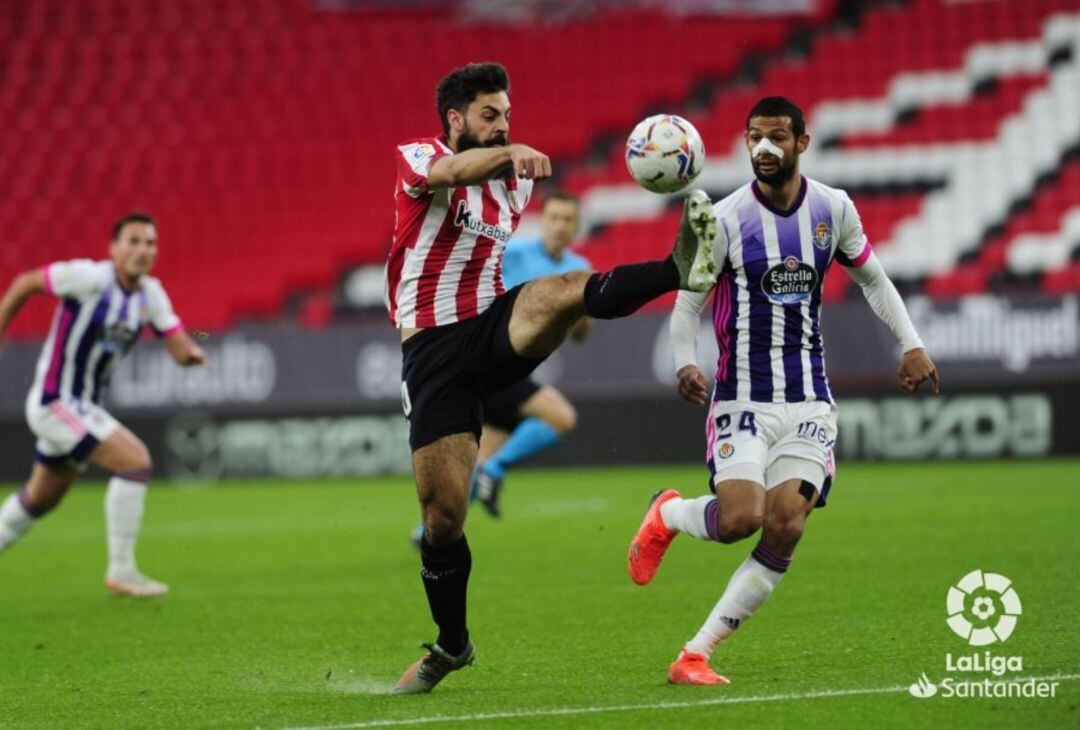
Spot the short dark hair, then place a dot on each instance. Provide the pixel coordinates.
(459, 87)
(561, 195)
(130, 218)
(779, 106)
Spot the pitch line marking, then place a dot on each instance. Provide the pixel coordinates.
(563, 711)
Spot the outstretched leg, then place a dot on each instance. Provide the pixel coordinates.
(546, 309)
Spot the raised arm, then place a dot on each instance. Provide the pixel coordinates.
(480, 164)
(18, 293)
(685, 320)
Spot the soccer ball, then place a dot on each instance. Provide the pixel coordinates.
(664, 153)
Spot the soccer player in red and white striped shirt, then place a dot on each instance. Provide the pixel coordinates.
(459, 198)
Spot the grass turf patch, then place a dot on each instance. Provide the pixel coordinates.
(299, 603)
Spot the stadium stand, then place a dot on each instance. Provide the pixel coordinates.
(978, 141)
(260, 133)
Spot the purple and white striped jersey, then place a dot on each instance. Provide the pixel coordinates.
(767, 306)
(95, 325)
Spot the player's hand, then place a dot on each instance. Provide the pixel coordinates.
(194, 356)
(692, 388)
(915, 367)
(529, 163)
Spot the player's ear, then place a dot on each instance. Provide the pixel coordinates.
(456, 119)
(802, 143)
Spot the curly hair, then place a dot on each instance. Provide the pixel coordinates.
(459, 87)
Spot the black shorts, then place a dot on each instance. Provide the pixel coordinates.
(449, 372)
(503, 410)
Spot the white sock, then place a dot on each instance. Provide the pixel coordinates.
(689, 516)
(15, 521)
(123, 516)
(749, 587)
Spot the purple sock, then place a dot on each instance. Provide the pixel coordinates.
(770, 558)
(711, 509)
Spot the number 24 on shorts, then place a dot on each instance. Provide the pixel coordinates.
(746, 423)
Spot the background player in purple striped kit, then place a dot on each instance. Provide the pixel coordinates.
(104, 307)
(772, 418)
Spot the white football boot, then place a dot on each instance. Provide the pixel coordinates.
(693, 252)
(134, 584)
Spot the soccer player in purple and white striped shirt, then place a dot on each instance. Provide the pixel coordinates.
(772, 418)
(103, 309)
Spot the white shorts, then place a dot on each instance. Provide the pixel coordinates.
(67, 432)
(771, 443)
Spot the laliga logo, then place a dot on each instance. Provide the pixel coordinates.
(983, 608)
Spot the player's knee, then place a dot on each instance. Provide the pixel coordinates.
(42, 498)
(444, 521)
(442, 526)
(564, 419)
(569, 297)
(139, 465)
(574, 279)
(41, 504)
(738, 524)
(783, 532)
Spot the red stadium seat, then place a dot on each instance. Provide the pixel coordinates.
(260, 134)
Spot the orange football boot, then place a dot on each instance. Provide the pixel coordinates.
(692, 668)
(651, 541)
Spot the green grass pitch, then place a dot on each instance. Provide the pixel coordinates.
(298, 604)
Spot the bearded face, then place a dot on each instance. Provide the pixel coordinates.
(468, 139)
(773, 170)
(485, 123)
(774, 149)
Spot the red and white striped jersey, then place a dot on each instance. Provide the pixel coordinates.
(446, 260)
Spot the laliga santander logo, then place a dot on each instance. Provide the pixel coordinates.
(983, 608)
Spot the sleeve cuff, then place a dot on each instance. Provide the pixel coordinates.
(863, 256)
(48, 281)
(912, 344)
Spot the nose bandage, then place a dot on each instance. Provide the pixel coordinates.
(766, 146)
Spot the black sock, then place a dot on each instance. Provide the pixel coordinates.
(445, 574)
(624, 289)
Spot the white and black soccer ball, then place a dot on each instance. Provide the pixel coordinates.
(665, 153)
